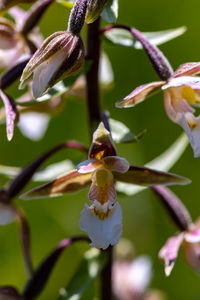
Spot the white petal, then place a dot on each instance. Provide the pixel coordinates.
(102, 232)
(45, 71)
(191, 81)
(33, 125)
(7, 214)
(181, 113)
(193, 134)
(131, 278)
(141, 273)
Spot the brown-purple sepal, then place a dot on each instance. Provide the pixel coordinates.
(148, 177)
(69, 183)
(102, 144)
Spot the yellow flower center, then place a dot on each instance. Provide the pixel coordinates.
(188, 94)
(103, 177)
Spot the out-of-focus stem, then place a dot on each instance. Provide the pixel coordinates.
(92, 76)
(25, 241)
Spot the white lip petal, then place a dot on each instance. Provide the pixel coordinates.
(33, 125)
(191, 81)
(193, 134)
(102, 232)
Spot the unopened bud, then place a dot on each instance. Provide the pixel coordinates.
(61, 55)
(95, 7)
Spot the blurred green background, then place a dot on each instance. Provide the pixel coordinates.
(145, 222)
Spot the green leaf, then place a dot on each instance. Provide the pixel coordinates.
(67, 3)
(164, 163)
(122, 134)
(49, 173)
(90, 267)
(106, 75)
(110, 12)
(124, 38)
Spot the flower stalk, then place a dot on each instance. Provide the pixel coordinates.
(159, 62)
(77, 16)
(95, 116)
(92, 76)
(174, 207)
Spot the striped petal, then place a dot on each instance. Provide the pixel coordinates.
(102, 194)
(193, 82)
(188, 69)
(140, 94)
(102, 188)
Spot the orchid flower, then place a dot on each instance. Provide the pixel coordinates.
(131, 276)
(188, 237)
(181, 91)
(190, 241)
(13, 44)
(103, 219)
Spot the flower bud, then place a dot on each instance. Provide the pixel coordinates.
(95, 7)
(11, 43)
(61, 55)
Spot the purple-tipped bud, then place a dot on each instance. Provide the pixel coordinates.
(77, 16)
(61, 55)
(11, 114)
(94, 9)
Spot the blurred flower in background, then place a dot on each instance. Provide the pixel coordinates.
(132, 275)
